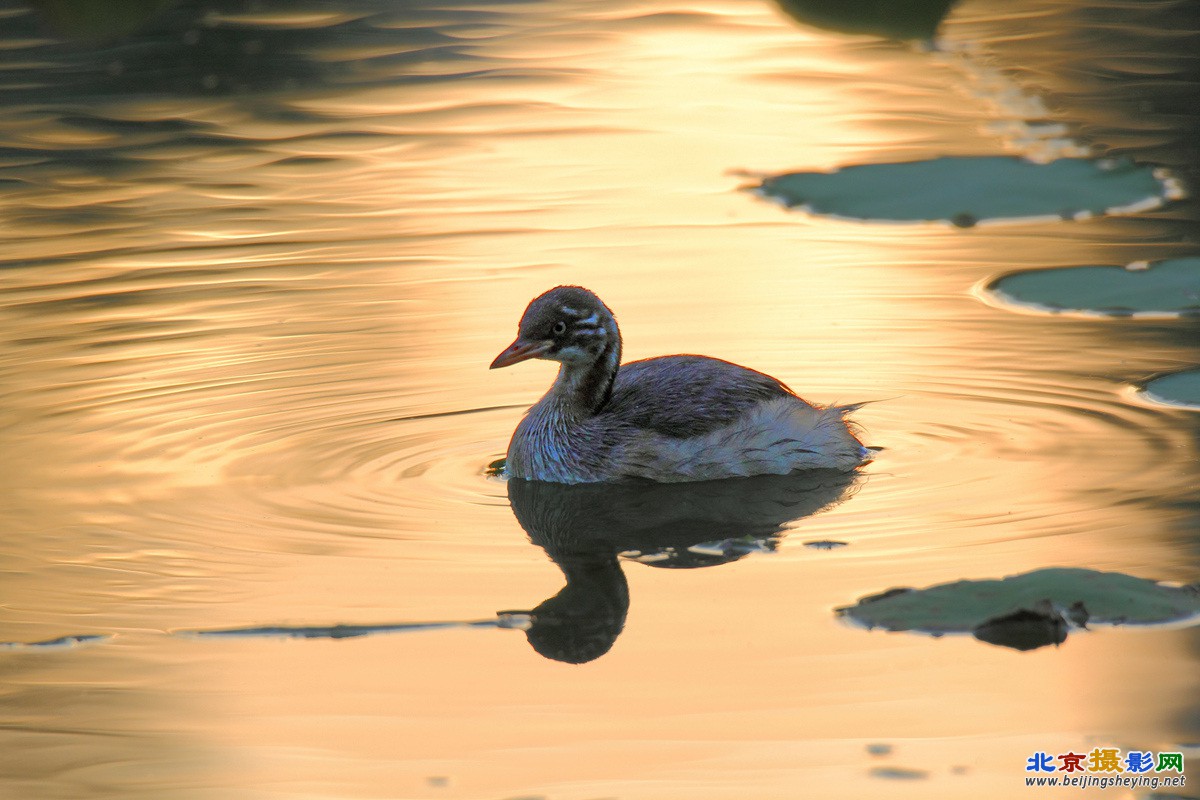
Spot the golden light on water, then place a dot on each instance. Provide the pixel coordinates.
(244, 368)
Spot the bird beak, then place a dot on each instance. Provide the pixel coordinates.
(521, 350)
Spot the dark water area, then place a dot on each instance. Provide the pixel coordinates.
(257, 259)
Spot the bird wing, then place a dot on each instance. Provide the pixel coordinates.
(684, 396)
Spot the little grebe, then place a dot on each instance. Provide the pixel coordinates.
(670, 418)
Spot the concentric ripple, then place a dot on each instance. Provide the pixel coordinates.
(1003, 458)
(258, 256)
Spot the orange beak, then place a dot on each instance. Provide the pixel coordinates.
(519, 351)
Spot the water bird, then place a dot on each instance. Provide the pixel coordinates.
(669, 419)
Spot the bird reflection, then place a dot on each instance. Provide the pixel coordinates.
(587, 528)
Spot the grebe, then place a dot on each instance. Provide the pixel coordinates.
(669, 419)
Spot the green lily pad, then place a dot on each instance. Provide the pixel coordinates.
(970, 190)
(88, 19)
(892, 19)
(1180, 390)
(1083, 595)
(1164, 289)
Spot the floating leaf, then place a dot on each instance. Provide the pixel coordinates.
(340, 631)
(88, 19)
(970, 190)
(73, 640)
(1027, 629)
(1081, 595)
(1181, 390)
(1164, 289)
(892, 19)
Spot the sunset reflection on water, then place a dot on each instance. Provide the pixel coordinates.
(248, 298)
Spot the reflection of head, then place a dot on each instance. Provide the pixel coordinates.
(581, 622)
(584, 528)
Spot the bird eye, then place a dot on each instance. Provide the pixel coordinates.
(560, 328)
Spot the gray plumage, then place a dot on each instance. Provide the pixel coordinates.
(670, 418)
(682, 396)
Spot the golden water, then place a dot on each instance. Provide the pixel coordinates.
(248, 296)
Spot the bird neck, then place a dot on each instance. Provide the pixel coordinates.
(582, 389)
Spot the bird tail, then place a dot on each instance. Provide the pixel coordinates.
(850, 408)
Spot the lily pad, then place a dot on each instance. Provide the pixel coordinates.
(970, 190)
(1029, 628)
(892, 19)
(341, 631)
(1181, 390)
(87, 19)
(62, 642)
(1084, 596)
(1163, 289)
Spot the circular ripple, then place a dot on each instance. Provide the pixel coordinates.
(1005, 460)
(384, 478)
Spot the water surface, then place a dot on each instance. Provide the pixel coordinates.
(257, 260)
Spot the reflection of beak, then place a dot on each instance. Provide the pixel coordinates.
(519, 351)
